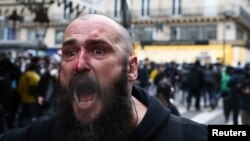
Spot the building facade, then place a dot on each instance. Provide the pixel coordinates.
(42, 21)
(186, 30)
(163, 30)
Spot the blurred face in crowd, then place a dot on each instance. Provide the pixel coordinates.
(96, 75)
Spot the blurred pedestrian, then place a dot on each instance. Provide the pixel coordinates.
(244, 100)
(27, 88)
(196, 80)
(225, 92)
(235, 84)
(9, 98)
(46, 90)
(165, 94)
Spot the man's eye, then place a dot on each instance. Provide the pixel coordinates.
(98, 51)
(70, 53)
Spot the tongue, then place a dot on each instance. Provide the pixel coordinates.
(86, 97)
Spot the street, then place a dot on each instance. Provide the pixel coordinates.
(205, 115)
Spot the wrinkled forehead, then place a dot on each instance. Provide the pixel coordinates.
(87, 26)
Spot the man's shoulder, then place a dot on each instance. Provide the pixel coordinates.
(45, 121)
(43, 127)
(39, 130)
(193, 130)
(178, 128)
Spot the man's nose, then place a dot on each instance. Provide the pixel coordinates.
(82, 62)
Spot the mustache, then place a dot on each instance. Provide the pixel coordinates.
(82, 78)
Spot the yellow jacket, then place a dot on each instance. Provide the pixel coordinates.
(153, 74)
(27, 80)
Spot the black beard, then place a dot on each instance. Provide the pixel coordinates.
(113, 124)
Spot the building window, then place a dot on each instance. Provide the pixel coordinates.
(143, 33)
(148, 8)
(1, 33)
(175, 33)
(145, 8)
(32, 35)
(193, 32)
(11, 32)
(36, 34)
(117, 8)
(240, 33)
(176, 7)
(209, 32)
(59, 36)
(6, 32)
(2, 27)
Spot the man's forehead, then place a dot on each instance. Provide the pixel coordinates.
(89, 27)
(91, 30)
(99, 20)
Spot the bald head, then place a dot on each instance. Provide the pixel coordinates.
(121, 35)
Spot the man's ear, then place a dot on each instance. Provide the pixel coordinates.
(132, 68)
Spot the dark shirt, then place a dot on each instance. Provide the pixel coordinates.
(173, 109)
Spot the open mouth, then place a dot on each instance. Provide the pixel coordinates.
(84, 96)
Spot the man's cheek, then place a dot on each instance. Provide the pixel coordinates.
(63, 80)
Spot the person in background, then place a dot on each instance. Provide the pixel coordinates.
(143, 75)
(225, 92)
(234, 84)
(9, 97)
(47, 88)
(244, 99)
(97, 98)
(27, 88)
(196, 78)
(165, 94)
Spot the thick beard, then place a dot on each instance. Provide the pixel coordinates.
(114, 123)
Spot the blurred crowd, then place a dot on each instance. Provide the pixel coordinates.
(28, 87)
(200, 86)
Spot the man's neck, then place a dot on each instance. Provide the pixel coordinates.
(139, 111)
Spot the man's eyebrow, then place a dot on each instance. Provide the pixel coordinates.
(96, 42)
(69, 42)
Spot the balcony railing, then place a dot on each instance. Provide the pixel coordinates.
(189, 12)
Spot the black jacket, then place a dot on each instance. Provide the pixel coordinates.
(154, 126)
